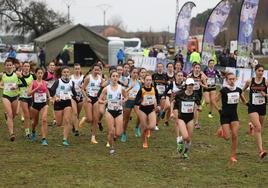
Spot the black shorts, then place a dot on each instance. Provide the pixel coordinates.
(80, 100)
(61, 105)
(11, 99)
(115, 113)
(228, 118)
(209, 89)
(186, 117)
(93, 100)
(260, 109)
(147, 109)
(29, 101)
(39, 106)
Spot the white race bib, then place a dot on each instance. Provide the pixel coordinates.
(187, 107)
(233, 98)
(93, 92)
(148, 100)
(211, 81)
(40, 97)
(114, 105)
(10, 86)
(161, 89)
(196, 85)
(258, 99)
(25, 94)
(65, 96)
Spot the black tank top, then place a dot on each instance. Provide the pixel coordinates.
(230, 100)
(255, 97)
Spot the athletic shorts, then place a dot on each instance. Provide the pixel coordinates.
(29, 101)
(80, 100)
(61, 105)
(260, 109)
(147, 109)
(209, 89)
(228, 118)
(93, 100)
(115, 113)
(39, 106)
(11, 99)
(186, 117)
(129, 104)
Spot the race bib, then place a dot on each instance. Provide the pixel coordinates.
(94, 91)
(25, 94)
(258, 99)
(161, 89)
(196, 85)
(10, 86)
(65, 96)
(148, 100)
(233, 98)
(132, 94)
(187, 107)
(40, 97)
(115, 105)
(211, 81)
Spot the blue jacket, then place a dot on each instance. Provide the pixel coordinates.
(12, 54)
(120, 55)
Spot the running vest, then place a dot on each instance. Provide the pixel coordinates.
(77, 84)
(114, 98)
(51, 78)
(134, 91)
(230, 99)
(10, 84)
(197, 80)
(64, 90)
(24, 90)
(211, 77)
(93, 86)
(177, 87)
(39, 96)
(186, 103)
(255, 96)
(148, 97)
(160, 82)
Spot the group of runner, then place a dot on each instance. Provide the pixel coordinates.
(174, 94)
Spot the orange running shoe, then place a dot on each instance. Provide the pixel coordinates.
(145, 144)
(262, 154)
(233, 159)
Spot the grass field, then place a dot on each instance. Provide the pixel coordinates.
(27, 164)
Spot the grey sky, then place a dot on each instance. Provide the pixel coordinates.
(136, 14)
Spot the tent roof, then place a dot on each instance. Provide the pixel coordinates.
(61, 31)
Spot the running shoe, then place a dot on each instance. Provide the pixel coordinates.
(12, 137)
(76, 133)
(44, 142)
(65, 143)
(145, 144)
(34, 137)
(185, 156)
(220, 133)
(28, 137)
(262, 154)
(54, 122)
(197, 126)
(180, 147)
(124, 137)
(166, 124)
(82, 122)
(93, 140)
(112, 151)
(100, 126)
(137, 132)
(156, 128)
(107, 145)
(22, 119)
(210, 116)
(233, 159)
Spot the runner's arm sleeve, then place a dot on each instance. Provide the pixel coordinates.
(54, 88)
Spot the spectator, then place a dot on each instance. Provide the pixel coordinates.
(179, 57)
(195, 57)
(65, 57)
(232, 60)
(151, 53)
(146, 52)
(12, 53)
(120, 56)
(224, 59)
(161, 55)
(42, 58)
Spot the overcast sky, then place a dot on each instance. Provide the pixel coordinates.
(136, 14)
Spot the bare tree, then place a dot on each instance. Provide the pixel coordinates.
(117, 21)
(29, 16)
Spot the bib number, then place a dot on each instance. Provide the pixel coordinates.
(211, 81)
(65, 96)
(10, 86)
(148, 100)
(132, 94)
(258, 99)
(187, 107)
(114, 105)
(40, 97)
(94, 91)
(196, 85)
(233, 98)
(161, 89)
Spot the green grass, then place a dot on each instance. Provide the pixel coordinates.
(28, 164)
